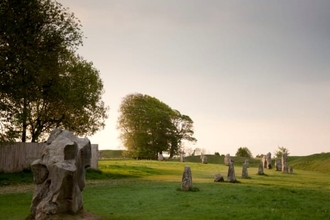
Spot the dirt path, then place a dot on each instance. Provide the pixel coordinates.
(16, 189)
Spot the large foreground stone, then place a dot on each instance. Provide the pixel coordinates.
(59, 175)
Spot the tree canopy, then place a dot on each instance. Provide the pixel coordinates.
(44, 84)
(280, 150)
(243, 152)
(148, 127)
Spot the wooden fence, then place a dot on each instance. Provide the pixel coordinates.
(19, 156)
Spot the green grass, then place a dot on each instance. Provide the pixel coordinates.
(24, 177)
(315, 162)
(216, 159)
(144, 189)
(303, 195)
(111, 154)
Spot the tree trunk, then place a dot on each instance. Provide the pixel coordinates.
(24, 120)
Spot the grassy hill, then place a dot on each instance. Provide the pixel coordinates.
(111, 154)
(315, 162)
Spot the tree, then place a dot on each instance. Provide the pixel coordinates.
(183, 130)
(149, 126)
(279, 152)
(43, 83)
(243, 152)
(77, 106)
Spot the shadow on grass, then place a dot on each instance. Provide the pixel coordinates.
(24, 177)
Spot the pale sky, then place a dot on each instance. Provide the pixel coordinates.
(249, 73)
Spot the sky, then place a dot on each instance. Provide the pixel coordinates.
(250, 74)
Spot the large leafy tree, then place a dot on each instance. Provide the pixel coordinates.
(183, 131)
(149, 126)
(243, 152)
(43, 83)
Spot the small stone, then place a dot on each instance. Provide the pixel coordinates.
(218, 178)
(269, 161)
(204, 159)
(264, 161)
(245, 170)
(291, 170)
(227, 159)
(182, 158)
(285, 163)
(160, 157)
(231, 173)
(278, 164)
(261, 168)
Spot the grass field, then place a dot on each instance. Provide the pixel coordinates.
(132, 189)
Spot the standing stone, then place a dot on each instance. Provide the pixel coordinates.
(245, 170)
(182, 158)
(247, 162)
(278, 164)
(285, 163)
(95, 156)
(227, 159)
(231, 173)
(160, 156)
(59, 175)
(218, 178)
(204, 159)
(186, 184)
(291, 170)
(264, 161)
(261, 168)
(269, 160)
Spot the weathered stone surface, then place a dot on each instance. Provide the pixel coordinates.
(160, 157)
(182, 158)
(227, 159)
(204, 159)
(264, 161)
(186, 183)
(60, 175)
(231, 177)
(269, 161)
(290, 169)
(278, 164)
(218, 178)
(245, 173)
(284, 163)
(261, 168)
(247, 162)
(95, 156)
